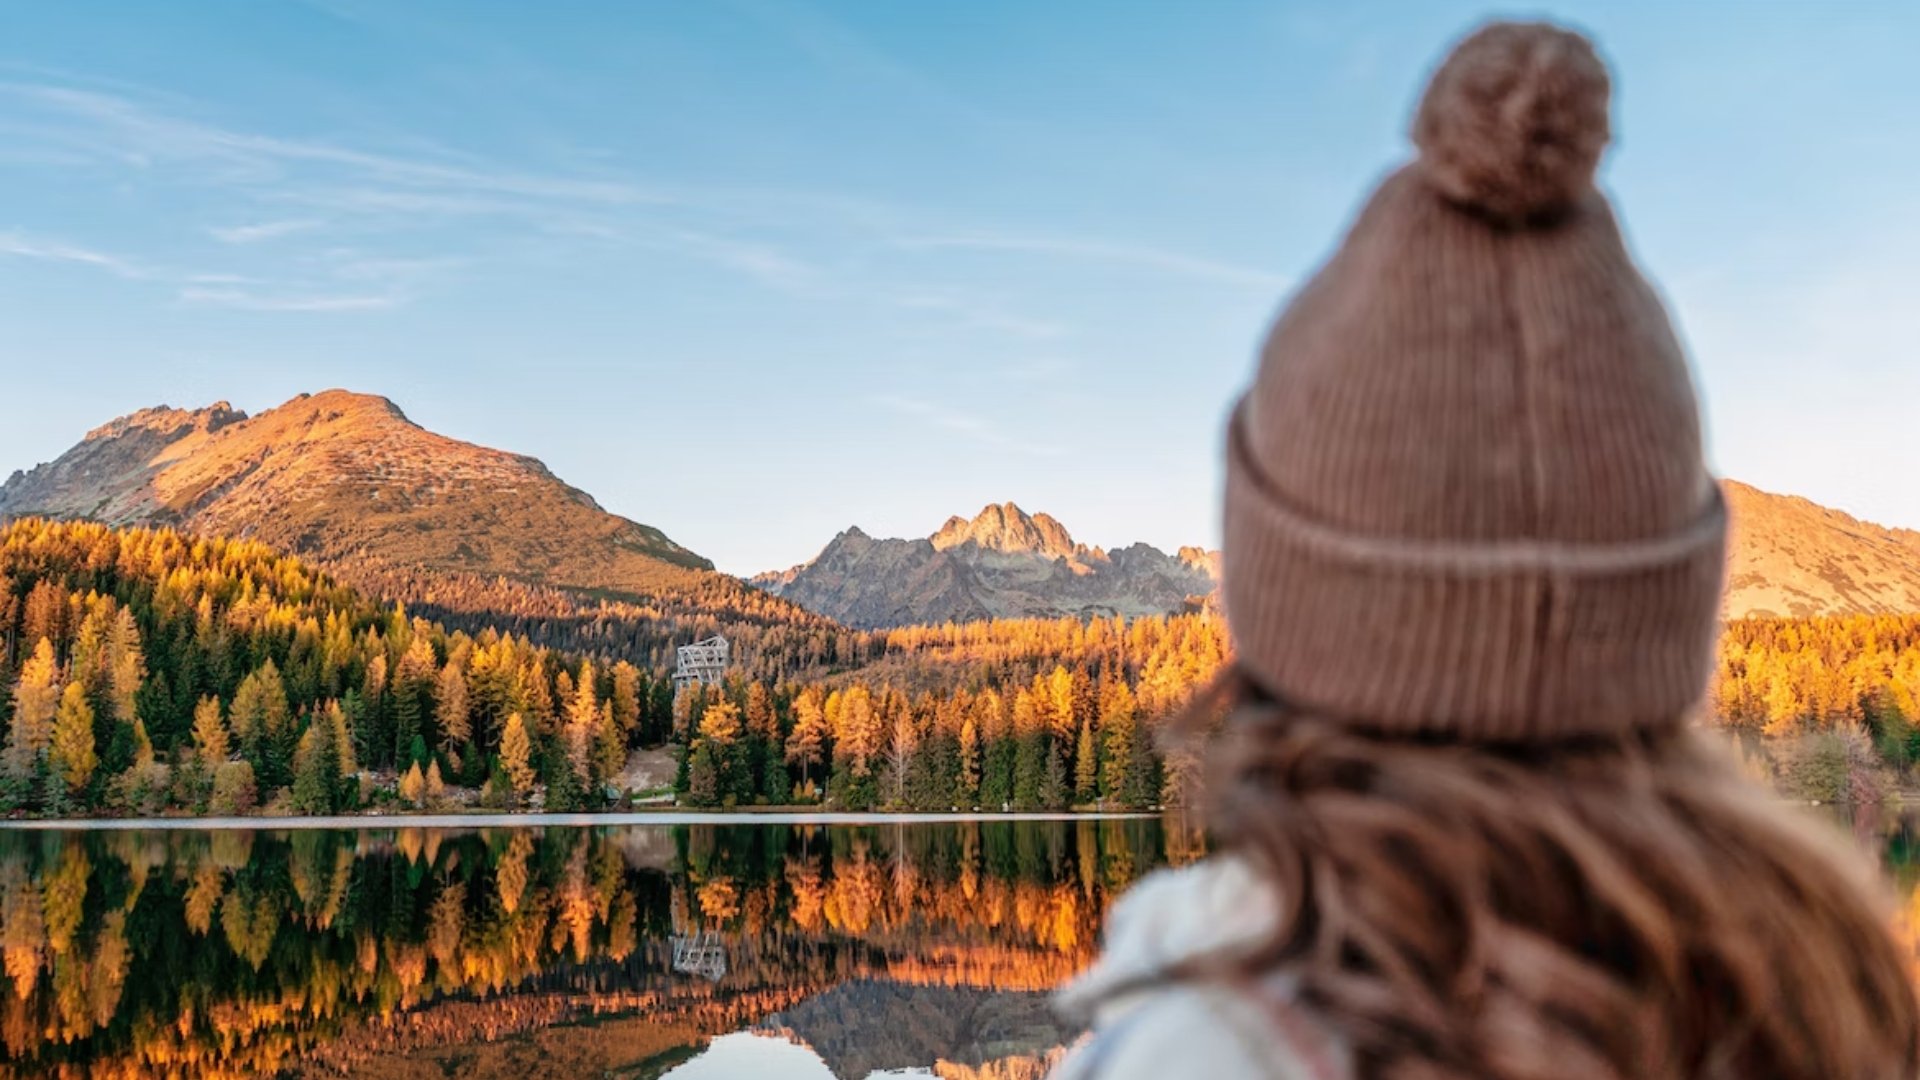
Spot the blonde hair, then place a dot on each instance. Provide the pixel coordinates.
(1601, 910)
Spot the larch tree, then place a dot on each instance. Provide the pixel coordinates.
(413, 786)
(36, 697)
(806, 746)
(1086, 766)
(72, 753)
(583, 716)
(720, 724)
(516, 755)
(609, 745)
(900, 751)
(857, 742)
(334, 715)
(210, 732)
(969, 783)
(126, 666)
(452, 710)
(626, 698)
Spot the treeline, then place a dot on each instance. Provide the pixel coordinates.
(235, 953)
(773, 638)
(151, 671)
(1828, 708)
(1049, 714)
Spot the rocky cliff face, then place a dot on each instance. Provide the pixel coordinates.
(338, 475)
(1002, 563)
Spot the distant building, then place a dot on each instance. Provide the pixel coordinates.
(703, 663)
(702, 955)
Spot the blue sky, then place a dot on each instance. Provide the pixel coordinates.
(755, 271)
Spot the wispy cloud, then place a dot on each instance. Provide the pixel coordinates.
(303, 187)
(1148, 258)
(764, 262)
(22, 247)
(248, 300)
(263, 230)
(132, 131)
(978, 312)
(977, 428)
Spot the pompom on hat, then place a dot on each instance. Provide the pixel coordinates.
(1465, 493)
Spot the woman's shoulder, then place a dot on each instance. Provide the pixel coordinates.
(1145, 1023)
(1208, 1031)
(1207, 910)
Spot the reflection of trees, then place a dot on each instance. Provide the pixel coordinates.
(128, 954)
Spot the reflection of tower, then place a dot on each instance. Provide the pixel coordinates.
(700, 954)
(702, 663)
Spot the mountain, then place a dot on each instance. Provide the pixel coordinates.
(344, 476)
(1793, 558)
(1003, 563)
(872, 1027)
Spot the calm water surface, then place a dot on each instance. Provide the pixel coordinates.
(697, 952)
(701, 952)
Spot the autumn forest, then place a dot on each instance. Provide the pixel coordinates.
(151, 672)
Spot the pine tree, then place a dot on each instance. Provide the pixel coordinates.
(260, 719)
(72, 752)
(703, 776)
(412, 694)
(436, 788)
(316, 770)
(1054, 789)
(1118, 734)
(775, 784)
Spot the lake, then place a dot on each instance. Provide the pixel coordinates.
(695, 952)
(690, 952)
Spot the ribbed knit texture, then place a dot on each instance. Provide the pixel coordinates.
(1465, 494)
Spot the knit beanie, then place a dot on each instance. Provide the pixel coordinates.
(1465, 493)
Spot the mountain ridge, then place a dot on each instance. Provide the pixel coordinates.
(1001, 563)
(349, 479)
(1790, 557)
(338, 475)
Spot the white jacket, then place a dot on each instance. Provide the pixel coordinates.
(1207, 1030)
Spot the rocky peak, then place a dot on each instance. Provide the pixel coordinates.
(166, 420)
(1007, 528)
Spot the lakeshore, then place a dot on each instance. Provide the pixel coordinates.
(535, 820)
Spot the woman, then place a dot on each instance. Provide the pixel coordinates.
(1472, 566)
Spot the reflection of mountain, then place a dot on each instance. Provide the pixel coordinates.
(863, 1027)
(529, 953)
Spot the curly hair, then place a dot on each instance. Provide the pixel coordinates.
(1599, 910)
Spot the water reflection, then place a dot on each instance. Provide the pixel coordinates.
(617, 951)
